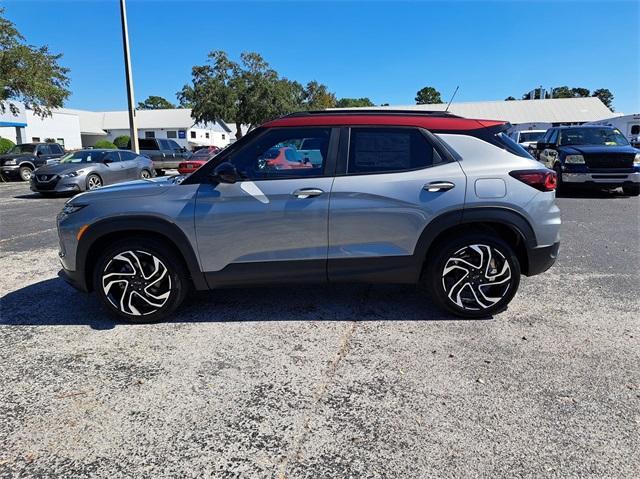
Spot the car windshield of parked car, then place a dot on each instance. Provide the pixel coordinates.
(531, 136)
(593, 136)
(82, 157)
(202, 154)
(22, 149)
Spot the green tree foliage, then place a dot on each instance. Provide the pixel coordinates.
(509, 98)
(605, 96)
(318, 97)
(580, 92)
(5, 145)
(354, 102)
(248, 92)
(104, 145)
(122, 141)
(155, 103)
(29, 74)
(428, 95)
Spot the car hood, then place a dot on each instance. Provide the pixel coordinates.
(597, 149)
(62, 168)
(130, 189)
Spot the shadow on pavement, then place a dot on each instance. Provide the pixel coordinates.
(55, 303)
(591, 193)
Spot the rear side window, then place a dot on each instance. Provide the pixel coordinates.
(146, 144)
(380, 150)
(511, 146)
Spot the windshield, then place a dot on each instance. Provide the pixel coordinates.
(531, 135)
(592, 136)
(22, 149)
(82, 157)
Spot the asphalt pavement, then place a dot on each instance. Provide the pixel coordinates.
(352, 381)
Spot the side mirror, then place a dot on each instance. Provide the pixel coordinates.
(107, 161)
(225, 173)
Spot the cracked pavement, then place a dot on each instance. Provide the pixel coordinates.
(325, 382)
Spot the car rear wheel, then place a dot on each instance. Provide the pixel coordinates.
(140, 280)
(144, 174)
(159, 172)
(631, 190)
(25, 173)
(94, 182)
(473, 276)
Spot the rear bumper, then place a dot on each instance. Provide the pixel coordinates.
(601, 178)
(541, 258)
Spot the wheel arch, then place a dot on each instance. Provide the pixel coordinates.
(105, 232)
(507, 224)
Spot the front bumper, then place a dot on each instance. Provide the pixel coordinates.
(541, 258)
(75, 279)
(601, 178)
(57, 185)
(10, 171)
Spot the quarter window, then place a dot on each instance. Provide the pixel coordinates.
(281, 153)
(380, 150)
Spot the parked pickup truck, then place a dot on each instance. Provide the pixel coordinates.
(591, 156)
(165, 154)
(21, 160)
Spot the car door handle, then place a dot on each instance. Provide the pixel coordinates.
(307, 192)
(435, 186)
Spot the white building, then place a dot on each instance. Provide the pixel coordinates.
(26, 127)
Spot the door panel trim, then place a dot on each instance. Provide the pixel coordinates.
(268, 272)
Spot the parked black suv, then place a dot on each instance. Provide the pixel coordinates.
(165, 154)
(21, 160)
(593, 156)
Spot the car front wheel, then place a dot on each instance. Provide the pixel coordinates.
(631, 190)
(473, 276)
(25, 173)
(140, 280)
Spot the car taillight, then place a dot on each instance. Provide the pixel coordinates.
(543, 180)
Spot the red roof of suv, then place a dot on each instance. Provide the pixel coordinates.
(427, 120)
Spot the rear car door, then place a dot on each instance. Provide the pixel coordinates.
(391, 182)
(129, 165)
(272, 224)
(111, 169)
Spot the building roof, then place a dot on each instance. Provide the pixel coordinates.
(556, 110)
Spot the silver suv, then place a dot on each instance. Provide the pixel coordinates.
(385, 196)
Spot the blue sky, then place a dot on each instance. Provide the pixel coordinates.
(383, 50)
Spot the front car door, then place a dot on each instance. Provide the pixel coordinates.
(390, 183)
(271, 225)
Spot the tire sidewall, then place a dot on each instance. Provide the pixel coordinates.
(93, 175)
(446, 249)
(179, 284)
(23, 169)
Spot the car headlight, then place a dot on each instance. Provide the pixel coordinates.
(69, 208)
(574, 159)
(73, 174)
(10, 162)
(636, 160)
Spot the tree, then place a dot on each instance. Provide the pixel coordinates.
(580, 92)
(354, 102)
(155, 103)
(605, 96)
(428, 95)
(318, 97)
(104, 145)
(509, 98)
(562, 92)
(122, 141)
(5, 145)
(29, 74)
(248, 92)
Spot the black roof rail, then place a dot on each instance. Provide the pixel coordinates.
(369, 111)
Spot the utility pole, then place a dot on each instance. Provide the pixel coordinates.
(133, 129)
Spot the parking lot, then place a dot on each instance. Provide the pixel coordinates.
(325, 382)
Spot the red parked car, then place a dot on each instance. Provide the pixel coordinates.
(198, 159)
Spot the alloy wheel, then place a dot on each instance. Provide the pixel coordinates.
(25, 173)
(94, 182)
(476, 277)
(145, 174)
(136, 283)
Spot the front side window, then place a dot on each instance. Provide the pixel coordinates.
(379, 150)
(530, 136)
(173, 145)
(278, 154)
(593, 136)
(113, 156)
(83, 156)
(553, 139)
(127, 156)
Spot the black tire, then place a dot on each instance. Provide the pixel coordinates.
(25, 173)
(145, 174)
(128, 302)
(631, 190)
(452, 254)
(561, 187)
(159, 172)
(94, 182)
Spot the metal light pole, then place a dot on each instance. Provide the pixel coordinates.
(133, 129)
